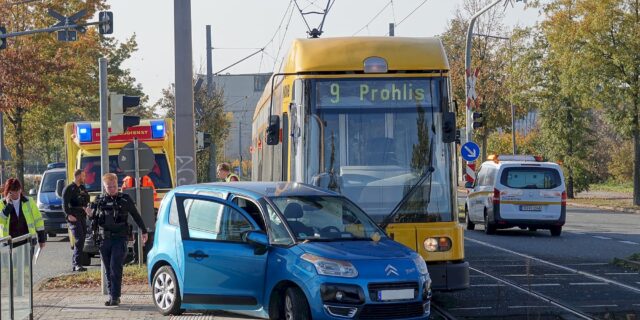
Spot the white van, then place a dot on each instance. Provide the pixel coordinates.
(517, 191)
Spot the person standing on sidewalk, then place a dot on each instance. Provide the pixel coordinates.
(19, 215)
(112, 211)
(74, 200)
(224, 172)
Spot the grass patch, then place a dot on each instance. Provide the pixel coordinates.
(611, 186)
(623, 203)
(133, 275)
(632, 262)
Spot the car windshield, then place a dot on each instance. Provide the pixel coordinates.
(328, 218)
(160, 174)
(50, 179)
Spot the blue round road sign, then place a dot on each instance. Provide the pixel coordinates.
(470, 151)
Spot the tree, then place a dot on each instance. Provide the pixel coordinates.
(608, 33)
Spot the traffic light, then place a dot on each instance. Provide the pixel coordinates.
(457, 136)
(3, 41)
(119, 104)
(478, 120)
(106, 22)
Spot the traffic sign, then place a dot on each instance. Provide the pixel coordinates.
(470, 151)
(3, 41)
(126, 159)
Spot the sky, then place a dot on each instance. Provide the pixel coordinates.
(241, 27)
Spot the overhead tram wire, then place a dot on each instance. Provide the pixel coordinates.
(284, 36)
(374, 17)
(315, 32)
(410, 13)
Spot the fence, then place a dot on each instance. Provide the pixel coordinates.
(16, 278)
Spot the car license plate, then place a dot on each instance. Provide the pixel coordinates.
(63, 225)
(530, 208)
(401, 294)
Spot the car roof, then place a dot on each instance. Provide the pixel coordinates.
(545, 164)
(260, 189)
(55, 170)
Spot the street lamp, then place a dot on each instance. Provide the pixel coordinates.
(467, 67)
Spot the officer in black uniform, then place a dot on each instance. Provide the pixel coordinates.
(75, 199)
(110, 213)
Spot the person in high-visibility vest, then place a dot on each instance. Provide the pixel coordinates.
(224, 172)
(19, 215)
(127, 183)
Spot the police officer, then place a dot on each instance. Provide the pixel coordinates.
(111, 212)
(75, 199)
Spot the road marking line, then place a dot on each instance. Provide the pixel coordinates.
(488, 285)
(544, 285)
(588, 284)
(628, 242)
(519, 275)
(560, 274)
(586, 274)
(474, 308)
(589, 264)
(600, 306)
(601, 237)
(622, 273)
(527, 307)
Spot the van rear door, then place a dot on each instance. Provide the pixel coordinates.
(531, 192)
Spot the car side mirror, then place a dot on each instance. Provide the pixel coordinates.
(32, 192)
(59, 187)
(448, 127)
(468, 185)
(258, 239)
(273, 131)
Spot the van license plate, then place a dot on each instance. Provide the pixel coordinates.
(530, 208)
(63, 225)
(401, 294)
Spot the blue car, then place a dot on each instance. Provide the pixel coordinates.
(280, 251)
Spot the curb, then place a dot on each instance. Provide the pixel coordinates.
(617, 209)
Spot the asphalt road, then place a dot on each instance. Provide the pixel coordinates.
(530, 275)
(519, 274)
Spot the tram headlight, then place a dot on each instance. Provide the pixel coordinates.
(437, 244)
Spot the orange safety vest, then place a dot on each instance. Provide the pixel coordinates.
(127, 183)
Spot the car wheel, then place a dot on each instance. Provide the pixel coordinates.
(489, 228)
(166, 292)
(470, 224)
(555, 231)
(296, 306)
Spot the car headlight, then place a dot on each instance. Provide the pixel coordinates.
(330, 267)
(421, 266)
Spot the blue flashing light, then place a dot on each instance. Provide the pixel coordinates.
(157, 129)
(84, 132)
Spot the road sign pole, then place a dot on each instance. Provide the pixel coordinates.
(210, 89)
(136, 160)
(104, 144)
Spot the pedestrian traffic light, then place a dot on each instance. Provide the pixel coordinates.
(106, 22)
(457, 136)
(119, 104)
(478, 120)
(3, 41)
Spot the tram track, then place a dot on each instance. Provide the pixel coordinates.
(540, 296)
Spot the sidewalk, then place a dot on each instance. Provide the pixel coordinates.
(136, 303)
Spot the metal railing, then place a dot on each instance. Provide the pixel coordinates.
(16, 277)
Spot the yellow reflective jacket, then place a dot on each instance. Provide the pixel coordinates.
(31, 214)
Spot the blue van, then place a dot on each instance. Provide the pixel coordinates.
(49, 204)
(280, 251)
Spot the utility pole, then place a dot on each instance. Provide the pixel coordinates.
(240, 143)
(185, 126)
(392, 29)
(210, 88)
(104, 139)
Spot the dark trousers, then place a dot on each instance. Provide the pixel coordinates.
(79, 231)
(112, 253)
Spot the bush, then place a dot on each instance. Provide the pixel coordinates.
(621, 166)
